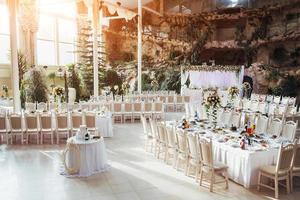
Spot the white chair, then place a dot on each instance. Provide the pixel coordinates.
(170, 104)
(127, 114)
(154, 133)
(46, 126)
(42, 107)
(262, 107)
(289, 130)
(137, 111)
(254, 97)
(295, 171)
(282, 109)
(158, 110)
(209, 166)
(193, 154)
(269, 98)
(285, 100)
(278, 172)
(148, 133)
(225, 116)
(117, 112)
(162, 140)
(31, 124)
(272, 109)
(275, 127)
(62, 126)
(246, 104)
(181, 140)
(4, 131)
(179, 104)
(30, 107)
(187, 99)
(147, 111)
(171, 145)
(292, 101)
(254, 105)
(276, 99)
(90, 121)
(77, 121)
(15, 121)
(262, 124)
(235, 119)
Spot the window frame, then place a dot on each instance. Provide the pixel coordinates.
(56, 39)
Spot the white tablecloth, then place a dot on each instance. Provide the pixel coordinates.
(243, 165)
(92, 157)
(104, 125)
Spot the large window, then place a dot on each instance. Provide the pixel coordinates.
(56, 38)
(4, 35)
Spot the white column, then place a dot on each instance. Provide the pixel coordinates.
(12, 4)
(139, 46)
(95, 46)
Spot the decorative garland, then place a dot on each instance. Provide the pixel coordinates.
(211, 68)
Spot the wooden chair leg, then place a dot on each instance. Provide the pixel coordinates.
(211, 182)
(201, 177)
(288, 190)
(291, 180)
(259, 179)
(276, 187)
(226, 178)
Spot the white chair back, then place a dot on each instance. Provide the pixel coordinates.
(262, 124)
(275, 127)
(289, 130)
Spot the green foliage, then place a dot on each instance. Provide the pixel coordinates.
(36, 87)
(290, 86)
(22, 65)
(146, 82)
(172, 81)
(74, 80)
(280, 54)
(274, 75)
(112, 78)
(277, 91)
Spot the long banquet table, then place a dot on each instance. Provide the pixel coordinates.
(243, 165)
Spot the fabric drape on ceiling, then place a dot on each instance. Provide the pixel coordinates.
(28, 17)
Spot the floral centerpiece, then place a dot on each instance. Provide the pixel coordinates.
(247, 90)
(5, 90)
(58, 93)
(233, 92)
(212, 102)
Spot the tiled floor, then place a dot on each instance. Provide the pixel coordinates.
(31, 172)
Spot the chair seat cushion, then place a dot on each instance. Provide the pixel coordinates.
(271, 170)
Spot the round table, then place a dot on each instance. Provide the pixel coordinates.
(85, 158)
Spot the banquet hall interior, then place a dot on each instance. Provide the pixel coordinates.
(149, 99)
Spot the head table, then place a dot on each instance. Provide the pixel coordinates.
(243, 164)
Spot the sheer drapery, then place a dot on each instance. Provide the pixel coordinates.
(220, 79)
(29, 19)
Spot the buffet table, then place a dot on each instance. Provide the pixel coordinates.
(84, 158)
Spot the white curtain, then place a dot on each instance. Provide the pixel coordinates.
(220, 79)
